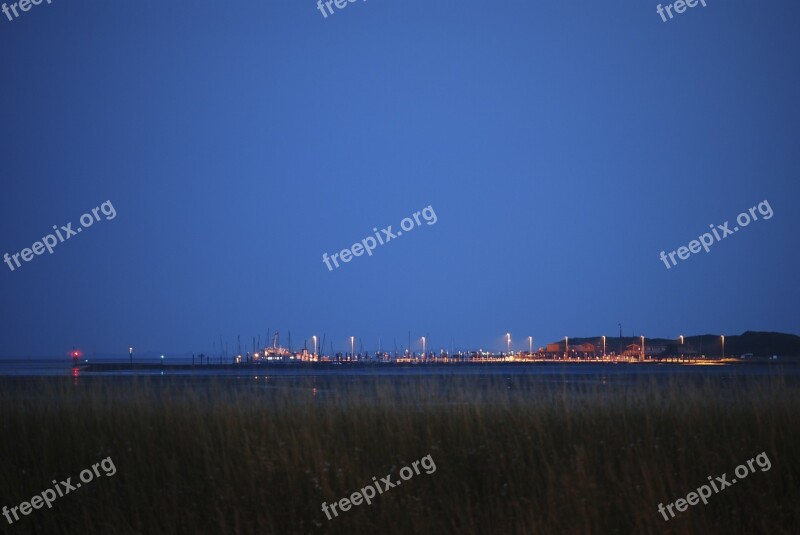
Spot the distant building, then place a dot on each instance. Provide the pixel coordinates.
(635, 350)
(554, 348)
(584, 350)
(632, 350)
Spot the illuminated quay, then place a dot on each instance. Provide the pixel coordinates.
(597, 349)
(701, 349)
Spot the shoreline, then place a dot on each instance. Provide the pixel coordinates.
(342, 366)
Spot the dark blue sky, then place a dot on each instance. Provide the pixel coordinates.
(562, 145)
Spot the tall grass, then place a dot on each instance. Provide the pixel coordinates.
(513, 454)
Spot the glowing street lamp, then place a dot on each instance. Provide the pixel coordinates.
(353, 347)
(642, 355)
(681, 337)
(423, 346)
(508, 343)
(315, 344)
(130, 352)
(566, 347)
(723, 346)
(604, 346)
(530, 345)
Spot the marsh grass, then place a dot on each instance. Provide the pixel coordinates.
(513, 454)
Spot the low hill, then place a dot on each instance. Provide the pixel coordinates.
(760, 344)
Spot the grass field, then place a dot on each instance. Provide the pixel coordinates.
(513, 454)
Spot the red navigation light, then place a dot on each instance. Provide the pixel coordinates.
(76, 354)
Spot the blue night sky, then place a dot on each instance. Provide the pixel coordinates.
(562, 146)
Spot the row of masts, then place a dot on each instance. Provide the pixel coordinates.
(275, 349)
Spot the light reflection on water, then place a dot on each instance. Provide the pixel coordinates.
(446, 383)
(416, 386)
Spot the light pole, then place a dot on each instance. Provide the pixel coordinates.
(530, 345)
(130, 352)
(508, 343)
(314, 337)
(353, 347)
(423, 347)
(642, 355)
(566, 347)
(604, 347)
(681, 337)
(723, 346)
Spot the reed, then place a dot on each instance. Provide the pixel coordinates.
(513, 454)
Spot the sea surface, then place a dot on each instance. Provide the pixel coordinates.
(408, 384)
(561, 371)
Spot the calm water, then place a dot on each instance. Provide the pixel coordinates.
(412, 385)
(572, 372)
